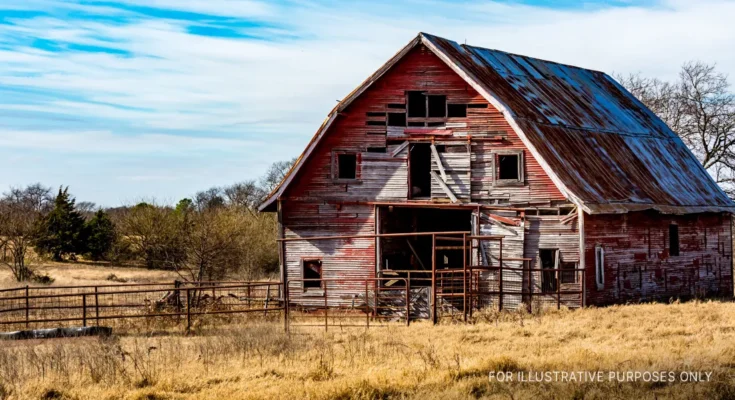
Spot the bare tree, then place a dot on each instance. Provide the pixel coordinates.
(275, 174)
(701, 109)
(20, 208)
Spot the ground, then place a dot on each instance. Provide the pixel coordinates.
(257, 359)
(65, 274)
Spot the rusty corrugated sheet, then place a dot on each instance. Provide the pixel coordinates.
(609, 151)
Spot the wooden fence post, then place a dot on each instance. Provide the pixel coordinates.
(326, 309)
(96, 306)
(367, 305)
(27, 307)
(408, 301)
(188, 310)
(84, 310)
(433, 279)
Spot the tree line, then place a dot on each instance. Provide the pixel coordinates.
(216, 234)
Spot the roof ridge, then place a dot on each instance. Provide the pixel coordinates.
(533, 58)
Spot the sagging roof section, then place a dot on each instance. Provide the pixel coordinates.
(604, 149)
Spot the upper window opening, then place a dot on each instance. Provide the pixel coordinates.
(673, 240)
(508, 167)
(376, 149)
(456, 110)
(437, 106)
(416, 104)
(600, 266)
(347, 166)
(312, 273)
(396, 119)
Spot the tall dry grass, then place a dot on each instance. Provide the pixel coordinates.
(421, 361)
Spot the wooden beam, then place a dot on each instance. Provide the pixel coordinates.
(399, 149)
(438, 162)
(410, 246)
(444, 186)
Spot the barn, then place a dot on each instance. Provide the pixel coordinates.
(479, 178)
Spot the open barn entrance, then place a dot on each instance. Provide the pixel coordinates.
(403, 254)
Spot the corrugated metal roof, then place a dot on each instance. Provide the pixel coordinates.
(606, 149)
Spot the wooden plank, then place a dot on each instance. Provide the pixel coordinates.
(438, 161)
(444, 187)
(399, 149)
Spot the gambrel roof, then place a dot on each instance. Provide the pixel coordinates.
(604, 150)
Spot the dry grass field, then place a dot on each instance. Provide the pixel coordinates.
(67, 274)
(258, 360)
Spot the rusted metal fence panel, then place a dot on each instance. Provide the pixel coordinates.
(119, 305)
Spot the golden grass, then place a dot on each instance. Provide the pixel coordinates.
(258, 360)
(68, 274)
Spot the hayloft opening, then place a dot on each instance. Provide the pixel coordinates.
(416, 104)
(420, 170)
(396, 119)
(457, 110)
(437, 106)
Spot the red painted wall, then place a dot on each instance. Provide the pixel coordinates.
(638, 264)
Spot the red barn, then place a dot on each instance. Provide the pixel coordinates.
(486, 178)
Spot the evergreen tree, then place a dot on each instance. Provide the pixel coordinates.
(61, 232)
(100, 235)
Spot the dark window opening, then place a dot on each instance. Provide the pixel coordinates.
(396, 119)
(568, 273)
(396, 105)
(548, 211)
(437, 106)
(548, 261)
(375, 123)
(457, 110)
(508, 167)
(435, 124)
(312, 270)
(416, 104)
(420, 174)
(673, 240)
(376, 149)
(383, 133)
(417, 124)
(347, 166)
(375, 114)
(476, 105)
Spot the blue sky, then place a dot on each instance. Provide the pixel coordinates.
(140, 99)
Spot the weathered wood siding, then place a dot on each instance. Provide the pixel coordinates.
(638, 265)
(383, 176)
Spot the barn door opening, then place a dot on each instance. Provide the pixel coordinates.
(420, 170)
(549, 259)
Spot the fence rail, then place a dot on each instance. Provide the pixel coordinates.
(117, 304)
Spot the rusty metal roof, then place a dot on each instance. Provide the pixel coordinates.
(603, 148)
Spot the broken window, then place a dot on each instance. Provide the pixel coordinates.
(548, 259)
(673, 240)
(375, 123)
(599, 266)
(416, 104)
(345, 166)
(376, 149)
(437, 106)
(396, 119)
(312, 274)
(568, 273)
(457, 110)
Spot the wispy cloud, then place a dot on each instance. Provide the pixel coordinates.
(193, 80)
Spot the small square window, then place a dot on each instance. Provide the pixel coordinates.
(508, 166)
(416, 104)
(312, 274)
(346, 166)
